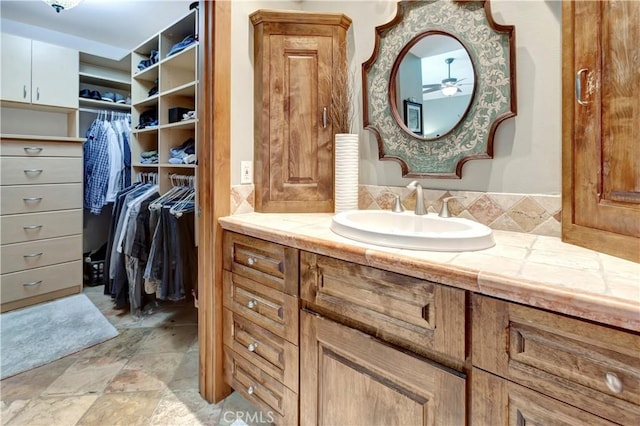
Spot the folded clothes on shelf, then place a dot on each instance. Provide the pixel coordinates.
(189, 115)
(149, 157)
(183, 154)
(146, 63)
(186, 42)
(148, 118)
(90, 94)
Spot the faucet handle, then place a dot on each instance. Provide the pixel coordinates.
(444, 210)
(397, 205)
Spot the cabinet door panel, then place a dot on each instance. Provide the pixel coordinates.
(425, 317)
(54, 78)
(352, 378)
(590, 366)
(601, 120)
(497, 401)
(16, 68)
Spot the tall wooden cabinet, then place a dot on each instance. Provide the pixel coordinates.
(601, 127)
(297, 56)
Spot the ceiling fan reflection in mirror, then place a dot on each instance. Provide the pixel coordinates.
(449, 86)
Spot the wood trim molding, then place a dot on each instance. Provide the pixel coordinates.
(214, 187)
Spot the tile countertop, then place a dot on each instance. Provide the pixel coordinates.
(530, 269)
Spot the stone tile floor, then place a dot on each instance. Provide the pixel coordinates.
(147, 375)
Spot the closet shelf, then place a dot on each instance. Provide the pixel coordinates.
(98, 80)
(151, 100)
(145, 130)
(103, 104)
(149, 166)
(184, 59)
(186, 125)
(147, 74)
(187, 89)
(177, 166)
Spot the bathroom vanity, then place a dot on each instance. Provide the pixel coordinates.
(319, 329)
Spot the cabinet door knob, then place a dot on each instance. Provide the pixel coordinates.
(252, 346)
(31, 284)
(613, 382)
(324, 117)
(252, 304)
(24, 91)
(251, 390)
(579, 89)
(251, 261)
(38, 93)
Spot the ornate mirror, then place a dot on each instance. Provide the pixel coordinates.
(440, 80)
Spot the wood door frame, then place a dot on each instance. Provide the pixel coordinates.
(214, 187)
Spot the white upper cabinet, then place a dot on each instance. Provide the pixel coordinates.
(39, 73)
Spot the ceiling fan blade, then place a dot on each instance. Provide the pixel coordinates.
(458, 81)
(432, 86)
(432, 89)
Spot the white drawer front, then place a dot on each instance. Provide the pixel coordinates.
(38, 226)
(40, 198)
(34, 282)
(20, 148)
(35, 171)
(35, 254)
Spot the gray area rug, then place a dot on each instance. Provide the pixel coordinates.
(39, 334)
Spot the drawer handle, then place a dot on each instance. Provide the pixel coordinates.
(251, 390)
(251, 261)
(613, 382)
(32, 227)
(33, 148)
(31, 284)
(33, 255)
(33, 199)
(33, 171)
(252, 304)
(252, 346)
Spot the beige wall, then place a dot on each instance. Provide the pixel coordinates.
(526, 149)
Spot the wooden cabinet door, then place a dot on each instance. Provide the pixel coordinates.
(601, 126)
(496, 401)
(54, 78)
(350, 378)
(301, 145)
(16, 68)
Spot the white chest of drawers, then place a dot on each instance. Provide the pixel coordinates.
(40, 219)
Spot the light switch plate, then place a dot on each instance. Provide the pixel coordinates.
(246, 172)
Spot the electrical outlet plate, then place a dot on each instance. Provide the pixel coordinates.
(246, 172)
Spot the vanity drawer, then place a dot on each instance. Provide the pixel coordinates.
(416, 314)
(593, 367)
(39, 198)
(37, 171)
(271, 264)
(37, 226)
(35, 254)
(269, 308)
(34, 282)
(278, 403)
(21, 148)
(271, 353)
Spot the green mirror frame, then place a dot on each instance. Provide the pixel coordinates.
(491, 47)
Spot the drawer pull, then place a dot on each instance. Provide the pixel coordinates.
(32, 227)
(33, 171)
(252, 346)
(613, 382)
(32, 148)
(33, 255)
(252, 304)
(33, 199)
(251, 390)
(31, 284)
(251, 261)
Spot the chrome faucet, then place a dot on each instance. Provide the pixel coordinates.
(419, 197)
(444, 210)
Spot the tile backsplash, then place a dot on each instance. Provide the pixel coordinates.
(528, 213)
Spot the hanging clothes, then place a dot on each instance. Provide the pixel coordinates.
(106, 152)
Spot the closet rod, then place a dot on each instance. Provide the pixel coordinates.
(98, 111)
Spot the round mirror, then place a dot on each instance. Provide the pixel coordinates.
(432, 85)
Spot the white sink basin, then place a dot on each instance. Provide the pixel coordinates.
(409, 231)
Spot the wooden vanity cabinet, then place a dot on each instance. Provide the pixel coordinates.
(260, 324)
(541, 365)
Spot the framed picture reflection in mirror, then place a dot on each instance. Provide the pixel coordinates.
(413, 116)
